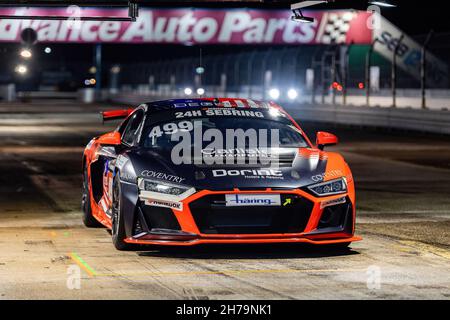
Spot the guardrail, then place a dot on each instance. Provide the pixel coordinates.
(33, 95)
(436, 99)
(431, 121)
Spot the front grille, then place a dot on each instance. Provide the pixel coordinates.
(160, 218)
(338, 216)
(212, 216)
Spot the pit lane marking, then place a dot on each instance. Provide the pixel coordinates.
(423, 247)
(224, 272)
(91, 271)
(82, 264)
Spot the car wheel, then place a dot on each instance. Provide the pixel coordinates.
(88, 219)
(118, 227)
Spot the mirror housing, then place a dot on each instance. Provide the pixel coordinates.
(110, 139)
(326, 139)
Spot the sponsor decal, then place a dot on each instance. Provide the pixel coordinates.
(327, 176)
(234, 112)
(409, 53)
(218, 102)
(235, 152)
(165, 204)
(121, 161)
(287, 202)
(235, 200)
(249, 174)
(191, 26)
(128, 177)
(333, 202)
(170, 129)
(162, 176)
(216, 112)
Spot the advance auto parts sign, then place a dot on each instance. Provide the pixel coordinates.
(191, 26)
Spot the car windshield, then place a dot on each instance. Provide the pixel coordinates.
(245, 132)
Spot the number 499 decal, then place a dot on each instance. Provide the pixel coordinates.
(170, 129)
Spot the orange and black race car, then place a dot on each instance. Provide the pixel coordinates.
(199, 171)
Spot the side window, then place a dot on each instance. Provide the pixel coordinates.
(132, 128)
(123, 126)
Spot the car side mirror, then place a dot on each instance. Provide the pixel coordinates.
(325, 139)
(110, 139)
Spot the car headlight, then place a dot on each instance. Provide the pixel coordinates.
(158, 190)
(165, 188)
(329, 188)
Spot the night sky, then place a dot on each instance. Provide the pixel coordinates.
(412, 16)
(408, 15)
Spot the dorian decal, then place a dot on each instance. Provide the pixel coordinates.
(249, 174)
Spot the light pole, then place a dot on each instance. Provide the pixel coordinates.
(423, 69)
(368, 65)
(394, 72)
(345, 73)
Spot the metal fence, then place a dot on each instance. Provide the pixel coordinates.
(314, 71)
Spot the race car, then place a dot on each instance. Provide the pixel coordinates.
(216, 171)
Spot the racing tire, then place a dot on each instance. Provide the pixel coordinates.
(88, 219)
(117, 224)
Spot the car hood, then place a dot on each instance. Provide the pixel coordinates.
(297, 168)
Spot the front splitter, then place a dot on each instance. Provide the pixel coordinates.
(200, 241)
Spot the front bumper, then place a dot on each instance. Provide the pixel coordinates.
(307, 222)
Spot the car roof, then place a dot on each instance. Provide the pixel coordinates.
(209, 102)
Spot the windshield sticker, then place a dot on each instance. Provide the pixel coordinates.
(238, 152)
(220, 112)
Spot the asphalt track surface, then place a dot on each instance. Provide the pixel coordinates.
(403, 188)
